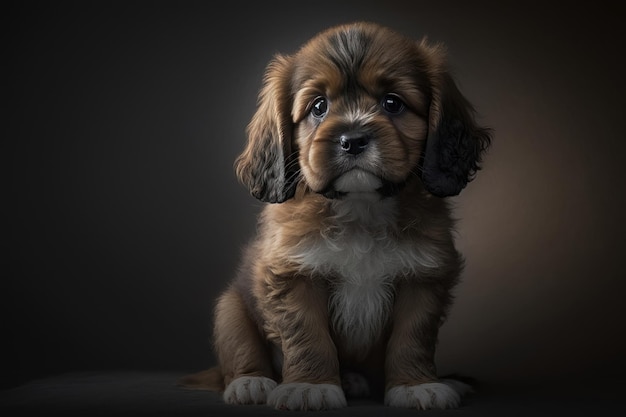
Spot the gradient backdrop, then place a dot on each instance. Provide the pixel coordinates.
(123, 218)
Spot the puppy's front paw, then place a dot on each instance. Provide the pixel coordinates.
(304, 396)
(424, 396)
(249, 390)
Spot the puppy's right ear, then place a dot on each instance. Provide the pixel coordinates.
(268, 166)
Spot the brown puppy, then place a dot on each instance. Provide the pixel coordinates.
(358, 137)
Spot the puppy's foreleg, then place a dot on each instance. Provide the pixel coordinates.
(299, 322)
(411, 376)
(242, 353)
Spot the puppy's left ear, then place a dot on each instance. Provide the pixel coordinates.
(268, 166)
(455, 142)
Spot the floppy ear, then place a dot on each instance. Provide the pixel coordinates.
(268, 166)
(455, 143)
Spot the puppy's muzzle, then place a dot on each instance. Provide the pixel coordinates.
(354, 142)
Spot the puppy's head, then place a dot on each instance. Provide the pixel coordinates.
(360, 109)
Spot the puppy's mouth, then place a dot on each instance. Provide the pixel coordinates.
(358, 182)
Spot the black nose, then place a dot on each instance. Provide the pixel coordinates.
(354, 142)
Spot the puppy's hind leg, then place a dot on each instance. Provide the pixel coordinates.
(242, 353)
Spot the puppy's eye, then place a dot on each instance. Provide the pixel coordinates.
(392, 104)
(319, 107)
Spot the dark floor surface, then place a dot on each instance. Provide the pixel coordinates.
(156, 394)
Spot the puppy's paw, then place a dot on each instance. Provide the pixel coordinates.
(460, 387)
(354, 385)
(426, 396)
(304, 396)
(249, 390)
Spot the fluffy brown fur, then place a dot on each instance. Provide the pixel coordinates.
(358, 138)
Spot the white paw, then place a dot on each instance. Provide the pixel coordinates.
(354, 385)
(304, 396)
(426, 396)
(249, 390)
(460, 387)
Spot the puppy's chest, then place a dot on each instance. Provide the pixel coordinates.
(361, 265)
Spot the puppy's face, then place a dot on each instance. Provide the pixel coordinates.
(360, 109)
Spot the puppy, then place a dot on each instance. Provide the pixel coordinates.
(358, 138)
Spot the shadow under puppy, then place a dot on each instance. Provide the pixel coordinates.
(358, 138)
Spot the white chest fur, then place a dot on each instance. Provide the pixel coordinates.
(362, 258)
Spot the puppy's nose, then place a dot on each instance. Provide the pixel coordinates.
(354, 142)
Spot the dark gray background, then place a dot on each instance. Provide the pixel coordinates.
(124, 219)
